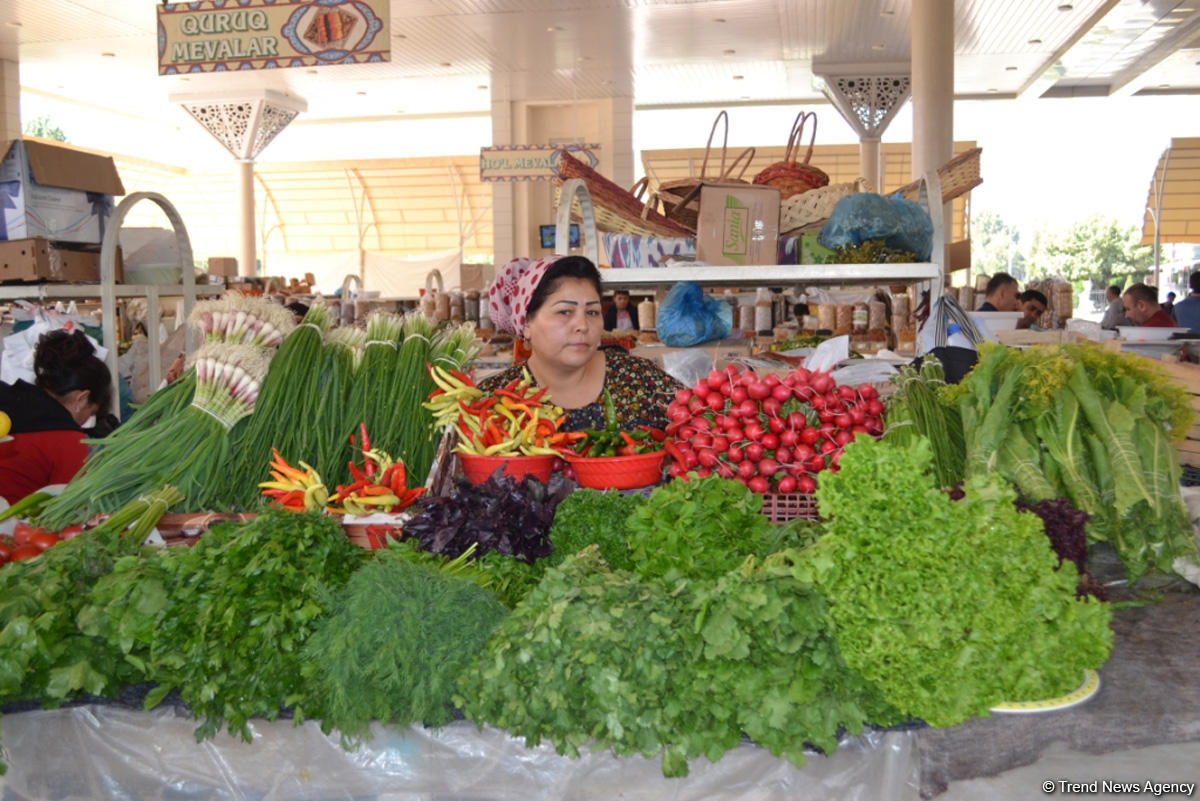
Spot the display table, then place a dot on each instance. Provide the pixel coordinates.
(1149, 695)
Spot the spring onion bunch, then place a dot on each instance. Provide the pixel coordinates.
(290, 393)
(339, 365)
(241, 319)
(188, 450)
(163, 404)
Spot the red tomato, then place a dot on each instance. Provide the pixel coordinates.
(24, 552)
(43, 540)
(22, 531)
(5, 552)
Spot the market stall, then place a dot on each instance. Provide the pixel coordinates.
(771, 578)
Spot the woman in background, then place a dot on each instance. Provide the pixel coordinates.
(46, 446)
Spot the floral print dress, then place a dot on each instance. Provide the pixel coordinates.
(640, 392)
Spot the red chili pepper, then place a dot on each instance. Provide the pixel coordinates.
(537, 396)
(674, 451)
(482, 405)
(351, 489)
(657, 434)
(629, 441)
(354, 471)
(366, 442)
(399, 478)
(511, 386)
(461, 377)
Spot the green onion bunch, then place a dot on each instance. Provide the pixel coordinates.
(188, 450)
(163, 404)
(241, 319)
(290, 394)
(339, 365)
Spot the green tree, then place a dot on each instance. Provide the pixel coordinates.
(996, 246)
(1097, 248)
(42, 126)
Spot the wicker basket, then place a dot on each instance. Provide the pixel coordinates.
(957, 176)
(681, 198)
(616, 209)
(791, 177)
(780, 508)
(812, 208)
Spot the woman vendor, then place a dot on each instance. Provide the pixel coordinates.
(71, 385)
(554, 304)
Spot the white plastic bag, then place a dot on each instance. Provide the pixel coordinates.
(16, 361)
(687, 366)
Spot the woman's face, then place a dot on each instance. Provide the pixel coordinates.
(566, 329)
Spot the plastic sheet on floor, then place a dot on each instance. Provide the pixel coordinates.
(113, 753)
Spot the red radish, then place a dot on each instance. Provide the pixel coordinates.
(690, 459)
(724, 470)
(735, 433)
(783, 455)
(790, 379)
(716, 401)
(803, 391)
(782, 393)
(747, 470)
(754, 432)
(816, 464)
(843, 420)
(754, 451)
(806, 484)
(748, 408)
(732, 370)
(678, 414)
(810, 435)
(676, 470)
(868, 392)
(703, 391)
(818, 402)
(843, 438)
(777, 425)
(703, 472)
(770, 441)
(707, 457)
(720, 444)
(786, 485)
(847, 393)
(821, 382)
(758, 390)
(797, 420)
(696, 405)
(826, 415)
(827, 446)
(802, 452)
(686, 433)
(789, 437)
(715, 379)
(683, 396)
(738, 395)
(874, 407)
(826, 429)
(702, 440)
(735, 453)
(772, 407)
(701, 423)
(759, 484)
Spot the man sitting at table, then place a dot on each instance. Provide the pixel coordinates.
(1001, 294)
(1141, 307)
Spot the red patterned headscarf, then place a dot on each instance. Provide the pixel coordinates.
(512, 290)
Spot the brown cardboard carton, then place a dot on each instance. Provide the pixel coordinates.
(223, 265)
(56, 191)
(37, 259)
(738, 225)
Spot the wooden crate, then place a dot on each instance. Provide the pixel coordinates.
(1188, 376)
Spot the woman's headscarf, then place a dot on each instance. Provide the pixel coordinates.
(512, 290)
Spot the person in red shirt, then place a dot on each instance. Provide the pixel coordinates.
(46, 441)
(1141, 307)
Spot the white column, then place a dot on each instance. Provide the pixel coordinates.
(503, 215)
(10, 100)
(932, 84)
(868, 162)
(246, 247)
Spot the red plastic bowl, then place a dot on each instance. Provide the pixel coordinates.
(477, 468)
(617, 472)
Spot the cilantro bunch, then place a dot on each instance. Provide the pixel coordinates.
(948, 607)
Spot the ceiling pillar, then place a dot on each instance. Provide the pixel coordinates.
(10, 100)
(244, 125)
(868, 100)
(932, 84)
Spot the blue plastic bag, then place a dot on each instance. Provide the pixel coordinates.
(688, 317)
(862, 216)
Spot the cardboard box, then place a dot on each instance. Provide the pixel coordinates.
(55, 191)
(738, 225)
(37, 259)
(223, 265)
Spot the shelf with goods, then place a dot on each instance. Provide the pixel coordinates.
(931, 273)
(109, 292)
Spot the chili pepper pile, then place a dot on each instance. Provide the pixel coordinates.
(513, 420)
(612, 441)
(295, 489)
(378, 486)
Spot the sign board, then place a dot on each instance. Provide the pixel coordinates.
(216, 36)
(529, 162)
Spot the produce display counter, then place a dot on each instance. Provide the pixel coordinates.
(97, 752)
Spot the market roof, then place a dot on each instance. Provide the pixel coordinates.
(460, 56)
(1174, 200)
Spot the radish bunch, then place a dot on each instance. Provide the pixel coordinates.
(771, 434)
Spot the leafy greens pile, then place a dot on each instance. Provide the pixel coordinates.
(948, 607)
(224, 621)
(1090, 425)
(399, 635)
(698, 643)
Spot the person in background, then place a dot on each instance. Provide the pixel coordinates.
(621, 315)
(1001, 294)
(554, 304)
(1168, 305)
(1114, 314)
(71, 386)
(1032, 304)
(1187, 311)
(1142, 308)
